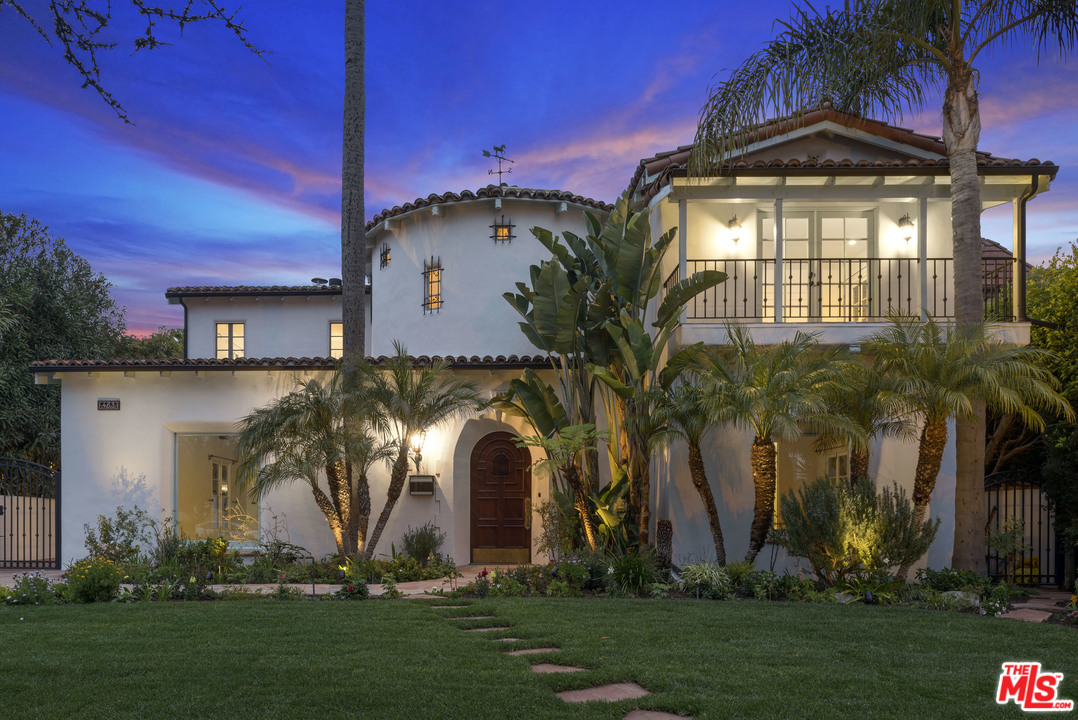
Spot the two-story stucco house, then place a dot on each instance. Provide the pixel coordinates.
(826, 224)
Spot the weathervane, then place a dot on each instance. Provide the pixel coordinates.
(499, 153)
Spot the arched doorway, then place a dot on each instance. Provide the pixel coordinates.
(500, 500)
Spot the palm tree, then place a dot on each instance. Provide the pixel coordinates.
(869, 400)
(943, 374)
(772, 391)
(303, 437)
(353, 234)
(586, 308)
(407, 399)
(884, 57)
(687, 418)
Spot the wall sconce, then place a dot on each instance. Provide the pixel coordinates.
(735, 229)
(417, 447)
(905, 227)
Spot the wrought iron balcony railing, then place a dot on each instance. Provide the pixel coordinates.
(841, 290)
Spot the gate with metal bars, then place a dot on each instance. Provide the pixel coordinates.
(1018, 510)
(29, 515)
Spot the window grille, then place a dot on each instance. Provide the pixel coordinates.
(502, 232)
(432, 285)
(383, 256)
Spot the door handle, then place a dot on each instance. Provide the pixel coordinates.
(527, 513)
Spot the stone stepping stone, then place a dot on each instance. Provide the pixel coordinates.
(421, 597)
(487, 629)
(605, 693)
(448, 607)
(530, 651)
(507, 640)
(1028, 615)
(551, 668)
(653, 715)
(472, 617)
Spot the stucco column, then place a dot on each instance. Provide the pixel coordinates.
(778, 259)
(682, 246)
(922, 256)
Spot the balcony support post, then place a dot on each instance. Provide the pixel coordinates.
(682, 247)
(922, 256)
(779, 227)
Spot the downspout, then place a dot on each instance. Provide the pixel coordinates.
(183, 303)
(1020, 250)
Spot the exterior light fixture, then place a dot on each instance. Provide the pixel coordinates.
(905, 226)
(735, 229)
(417, 447)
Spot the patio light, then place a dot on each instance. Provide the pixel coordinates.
(905, 224)
(735, 229)
(417, 447)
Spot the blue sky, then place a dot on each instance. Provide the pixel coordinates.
(231, 172)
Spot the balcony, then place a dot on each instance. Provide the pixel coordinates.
(842, 290)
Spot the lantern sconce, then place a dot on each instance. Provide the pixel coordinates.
(417, 447)
(905, 227)
(735, 229)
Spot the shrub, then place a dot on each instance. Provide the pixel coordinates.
(634, 572)
(796, 588)
(738, 570)
(950, 579)
(762, 585)
(261, 570)
(502, 585)
(93, 580)
(353, 591)
(120, 539)
(32, 588)
(422, 543)
(573, 572)
(844, 531)
(561, 588)
(560, 528)
(711, 580)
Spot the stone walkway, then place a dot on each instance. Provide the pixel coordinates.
(1040, 606)
(613, 692)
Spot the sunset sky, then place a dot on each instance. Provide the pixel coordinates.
(231, 172)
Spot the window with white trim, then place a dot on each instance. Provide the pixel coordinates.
(336, 339)
(230, 340)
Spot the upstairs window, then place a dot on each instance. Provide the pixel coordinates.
(502, 232)
(336, 339)
(432, 285)
(230, 340)
(383, 257)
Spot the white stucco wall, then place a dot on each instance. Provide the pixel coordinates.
(726, 456)
(474, 319)
(128, 457)
(275, 326)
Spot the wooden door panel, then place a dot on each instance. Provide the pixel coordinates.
(500, 498)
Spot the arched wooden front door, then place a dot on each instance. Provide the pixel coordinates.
(501, 500)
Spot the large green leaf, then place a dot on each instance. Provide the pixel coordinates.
(683, 291)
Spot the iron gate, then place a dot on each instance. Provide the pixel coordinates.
(1015, 503)
(29, 515)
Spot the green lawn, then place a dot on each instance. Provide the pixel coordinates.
(403, 659)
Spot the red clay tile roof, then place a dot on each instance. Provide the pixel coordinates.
(657, 170)
(490, 191)
(289, 363)
(234, 290)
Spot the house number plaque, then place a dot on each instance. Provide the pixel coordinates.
(111, 404)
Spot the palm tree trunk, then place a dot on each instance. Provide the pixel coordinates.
(353, 240)
(580, 502)
(969, 505)
(332, 518)
(929, 458)
(397, 478)
(858, 465)
(362, 510)
(961, 132)
(698, 473)
(763, 478)
(340, 489)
